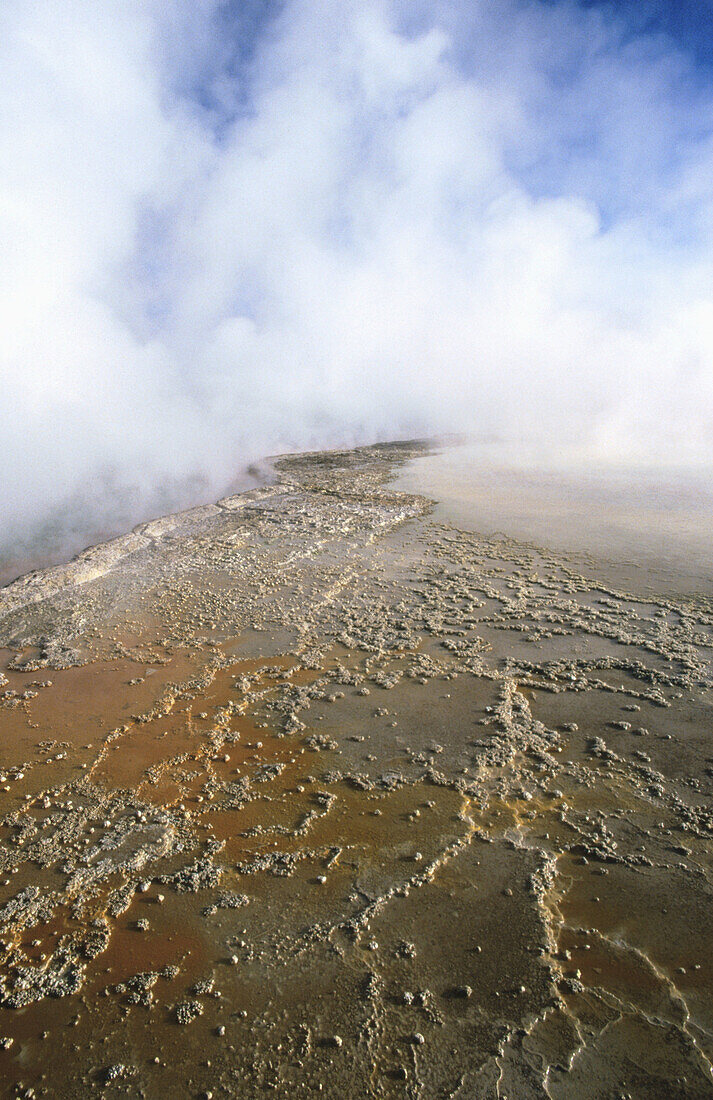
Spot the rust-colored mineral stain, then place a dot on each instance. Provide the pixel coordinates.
(183, 738)
(603, 963)
(356, 880)
(165, 944)
(76, 710)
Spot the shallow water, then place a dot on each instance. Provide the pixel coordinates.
(658, 522)
(317, 793)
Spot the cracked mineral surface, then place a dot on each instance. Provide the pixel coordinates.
(313, 792)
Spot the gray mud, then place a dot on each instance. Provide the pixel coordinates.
(310, 792)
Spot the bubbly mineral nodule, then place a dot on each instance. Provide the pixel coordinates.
(304, 793)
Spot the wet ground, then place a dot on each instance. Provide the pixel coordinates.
(313, 792)
(641, 526)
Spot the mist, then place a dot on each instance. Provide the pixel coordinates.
(233, 230)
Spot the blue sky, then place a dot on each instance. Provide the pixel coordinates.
(688, 22)
(234, 230)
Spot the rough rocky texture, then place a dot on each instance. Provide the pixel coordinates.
(340, 801)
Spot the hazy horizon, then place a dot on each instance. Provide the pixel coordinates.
(231, 230)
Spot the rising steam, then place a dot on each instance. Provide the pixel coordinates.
(234, 230)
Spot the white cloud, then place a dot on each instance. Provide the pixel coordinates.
(387, 219)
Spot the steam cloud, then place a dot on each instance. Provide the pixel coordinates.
(233, 230)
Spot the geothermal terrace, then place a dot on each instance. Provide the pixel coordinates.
(310, 793)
